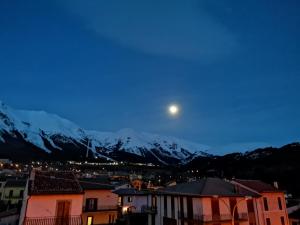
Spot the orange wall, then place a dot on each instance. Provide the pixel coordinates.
(274, 213)
(45, 205)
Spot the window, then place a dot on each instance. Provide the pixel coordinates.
(266, 204)
(154, 201)
(215, 208)
(63, 209)
(165, 206)
(268, 221)
(181, 210)
(111, 219)
(91, 204)
(11, 192)
(189, 207)
(129, 199)
(250, 206)
(279, 203)
(172, 207)
(90, 220)
(120, 200)
(282, 220)
(21, 193)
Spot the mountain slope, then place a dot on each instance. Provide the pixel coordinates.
(40, 134)
(267, 164)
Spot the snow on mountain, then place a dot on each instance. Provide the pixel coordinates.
(37, 127)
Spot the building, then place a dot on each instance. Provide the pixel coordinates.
(12, 192)
(294, 217)
(2, 183)
(9, 217)
(270, 206)
(207, 201)
(134, 206)
(100, 204)
(52, 198)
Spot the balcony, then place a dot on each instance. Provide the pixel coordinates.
(72, 220)
(101, 208)
(149, 209)
(213, 218)
(13, 197)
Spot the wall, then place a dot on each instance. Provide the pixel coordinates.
(16, 194)
(138, 202)
(45, 205)
(106, 199)
(274, 213)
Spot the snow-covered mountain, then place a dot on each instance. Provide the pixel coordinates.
(25, 133)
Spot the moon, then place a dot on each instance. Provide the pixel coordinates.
(173, 109)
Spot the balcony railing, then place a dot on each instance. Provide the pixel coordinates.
(213, 218)
(13, 197)
(72, 220)
(149, 209)
(101, 208)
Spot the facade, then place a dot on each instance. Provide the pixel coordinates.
(208, 201)
(294, 217)
(100, 204)
(270, 206)
(52, 198)
(135, 206)
(13, 191)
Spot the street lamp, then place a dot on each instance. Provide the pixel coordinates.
(235, 206)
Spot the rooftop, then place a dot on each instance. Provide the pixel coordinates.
(15, 183)
(54, 183)
(131, 191)
(295, 214)
(95, 184)
(257, 185)
(207, 187)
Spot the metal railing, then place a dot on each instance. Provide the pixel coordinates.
(149, 209)
(212, 218)
(71, 220)
(13, 197)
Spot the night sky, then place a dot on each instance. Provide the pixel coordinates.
(233, 67)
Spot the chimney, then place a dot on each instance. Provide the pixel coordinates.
(275, 184)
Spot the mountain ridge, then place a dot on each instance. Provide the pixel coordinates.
(54, 135)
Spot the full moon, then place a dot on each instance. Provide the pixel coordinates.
(173, 110)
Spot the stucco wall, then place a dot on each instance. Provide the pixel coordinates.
(45, 205)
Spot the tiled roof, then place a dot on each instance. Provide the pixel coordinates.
(94, 184)
(15, 183)
(206, 187)
(257, 185)
(54, 183)
(131, 191)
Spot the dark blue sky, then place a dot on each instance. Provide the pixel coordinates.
(232, 66)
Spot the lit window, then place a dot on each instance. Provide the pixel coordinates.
(90, 220)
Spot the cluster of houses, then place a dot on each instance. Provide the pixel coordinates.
(61, 198)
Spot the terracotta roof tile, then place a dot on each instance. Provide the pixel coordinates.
(54, 183)
(258, 185)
